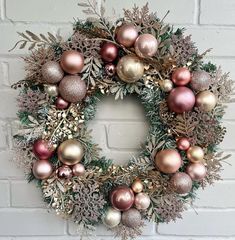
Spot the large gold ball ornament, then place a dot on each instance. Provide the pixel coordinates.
(195, 154)
(51, 90)
(70, 152)
(130, 69)
(112, 217)
(137, 186)
(206, 101)
(166, 85)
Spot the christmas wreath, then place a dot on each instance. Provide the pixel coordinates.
(184, 102)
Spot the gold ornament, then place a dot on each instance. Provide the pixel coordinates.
(166, 85)
(206, 101)
(195, 154)
(130, 69)
(70, 152)
(51, 90)
(137, 186)
(112, 217)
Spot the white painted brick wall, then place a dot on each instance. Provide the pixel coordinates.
(119, 126)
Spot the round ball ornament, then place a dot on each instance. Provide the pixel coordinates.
(200, 80)
(42, 169)
(168, 161)
(181, 99)
(146, 45)
(64, 172)
(142, 201)
(181, 182)
(183, 144)
(137, 186)
(70, 152)
(181, 76)
(51, 90)
(72, 88)
(61, 103)
(166, 85)
(127, 35)
(130, 69)
(72, 61)
(110, 69)
(206, 101)
(52, 72)
(195, 154)
(42, 149)
(112, 217)
(109, 52)
(197, 171)
(122, 198)
(131, 218)
(78, 169)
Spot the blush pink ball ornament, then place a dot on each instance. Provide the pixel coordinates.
(64, 172)
(181, 76)
(42, 149)
(109, 52)
(183, 144)
(142, 201)
(61, 103)
(197, 171)
(42, 169)
(78, 169)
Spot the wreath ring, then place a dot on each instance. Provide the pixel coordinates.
(183, 99)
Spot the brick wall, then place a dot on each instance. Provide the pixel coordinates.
(119, 127)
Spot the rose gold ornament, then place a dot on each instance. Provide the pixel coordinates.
(146, 45)
(42, 149)
(166, 85)
(197, 171)
(78, 169)
(51, 90)
(52, 72)
(195, 154)
(131, 218)
(181, 182)
(70, 152)
(142, 201)
(72, 88)
(109, 52)
(181, 76)
(181, 99)
(64, 172)
(61, 103)
(183, 144)
(206, 101)
(42, 169)
(122, 198)
(168, 161)
(137, 186)
(130, 69)
(72, 61)
(200, 80)
(110, 69)
(127, 34)
(112, 217)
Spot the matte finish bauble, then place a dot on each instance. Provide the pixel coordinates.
(197, 171)
(42, 169)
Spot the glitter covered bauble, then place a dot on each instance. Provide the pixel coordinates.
(181, 182)
(206, 101)
(183, 144)
(42, 149)
(137, 186)
(72, 61)
(109, 52)
(70, 152)
(181, 76)
(181, 99)
(195, 154)
(200, 80)
(64, 172)
(78, 169)
(52, 72)
(166, 85)
(127, 35)
(142, 201)
(60, 103)
(197, 171)
(146, 45)
(110, 69)
(131, 218)
(130, 69)
(122, 198)
(112, 217)
(168, 161)
(72, 88)
(42, 169)
(51, 90)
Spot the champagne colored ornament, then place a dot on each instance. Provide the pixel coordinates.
(109, 52)
(181, 99)
(122, 198)
(200, 80)
(137, 186)
(61, 103)
(142, 201)
(197, 171)
(168, 161)
(42, 149)
(166, 85)
(181, 76)
(181, 182)
(146, 45)
(130, 69)
(183, 144)
(70, 152)
(131, 218)
(78, 169)
(195, 154)
(51, 90)
(42, 169)
(52, 72)
(206, 101)
(127, 35)
(112, 217)
(72, 88)
(110, 69)
(64, 172)
(72, 61)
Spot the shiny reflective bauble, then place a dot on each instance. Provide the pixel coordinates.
(64, 172)
(51, 90)
(137, 186)
(110, 69)
(112, 217)
(130, 69)
(42, 169)
(70, 152)
(42, 149)
(195, 154)
(181, 182)
(78, 169)
(197, 171)
(131, 218)
(142, 201)
(122, 198)
(72, 61)
(181, 76)
(61, 103)
(52, 72)
(109, 52)
(181, 99)
(200, 80)
(183, 144)
(206, 101)
(166, 85)
(168, 161)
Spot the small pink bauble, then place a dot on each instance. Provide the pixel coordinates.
(127, 34)
(42, 149)
(42, 169)
(181, 76)
(109, 52)
(142, 201)
(64, 172)
(110, 69)
(78, 169)
(61, 103)
(183, 144)
(197, 171)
